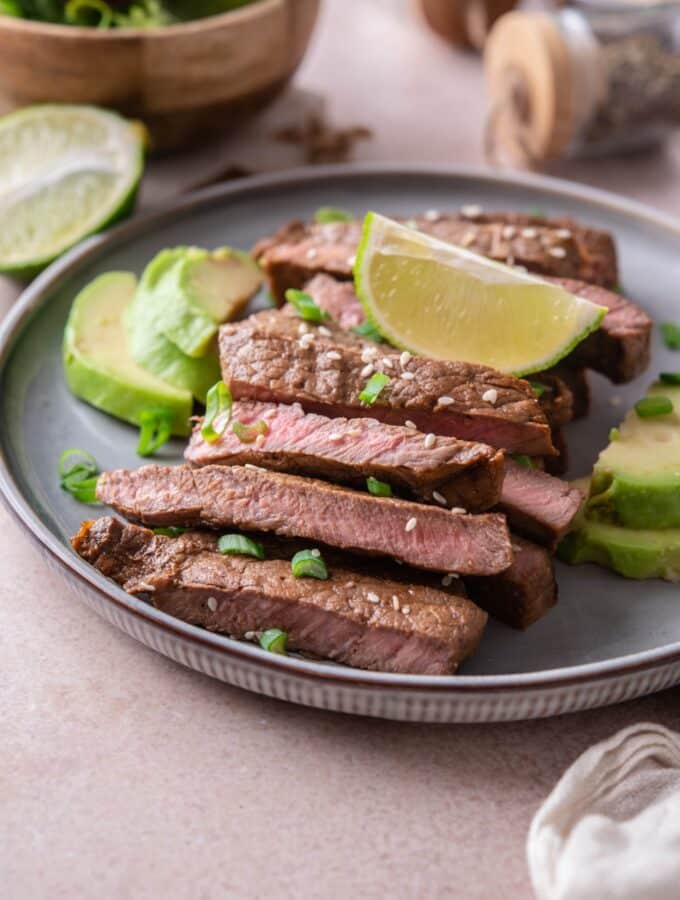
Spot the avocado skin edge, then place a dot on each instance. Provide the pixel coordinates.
(646, 502)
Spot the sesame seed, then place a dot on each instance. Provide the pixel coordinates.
(399, 562)
(509, 231)
(351, 260)
(354, 432)
(458, 510)
(471, 211)
(303, 328)
(529, 233)
(557, 252)
(387, 362)
(335, 437)
(406, 610)
(249, 635)
(431, 215)
(367, 370)
(326, 332)
(316, 553)
(395, 602)
(490, 396)
(468, 239)
(256, 468)
(212, 604)
(412, 425)
(372, 598)
(411, 524)
(440, 498)
(445, 401)
(306, 340)
(333, 354)
(430, 441)
(615, 400)
(269, 413)
(351, 584)
(563, 233)
(446, 580)
(368, 354)
(259, 440)
(404, 358)
(408, 376)
(145, 586)
(312, 253)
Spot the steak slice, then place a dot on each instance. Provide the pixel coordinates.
(620, 348)
(430, 633)
(347, 451)
(219, 497)
(524, 592)
(577, 382)
(264, 358)
(538, 505)
(558, 247)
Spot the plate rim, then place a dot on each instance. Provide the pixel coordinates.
(35, 296)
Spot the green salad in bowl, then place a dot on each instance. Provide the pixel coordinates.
(117, 13)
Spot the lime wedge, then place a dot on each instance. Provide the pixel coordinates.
(445, 302)
(65, 172)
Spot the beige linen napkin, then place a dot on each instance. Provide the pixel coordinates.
(610, 829)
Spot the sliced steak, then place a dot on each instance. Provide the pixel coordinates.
(577, 382)
(338, 299)
(523, 593)
(265, 358)
(620, 348)
(220, 497)
(348, 618)
(347, 451)
(538, 505)
(557, 247)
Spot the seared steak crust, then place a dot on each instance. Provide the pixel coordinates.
(430, 633)
(263, 358)
(224, 497)
(346, 451)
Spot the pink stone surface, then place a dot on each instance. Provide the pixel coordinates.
(124, 775)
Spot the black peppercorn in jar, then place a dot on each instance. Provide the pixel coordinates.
(591, 79)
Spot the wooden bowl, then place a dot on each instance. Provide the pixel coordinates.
(184, 81)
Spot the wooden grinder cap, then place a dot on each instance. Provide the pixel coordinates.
(528, 74)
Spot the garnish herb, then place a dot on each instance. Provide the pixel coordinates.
(248, 433)
(669, 377)
(217, 412)
(649, 407)
(155, 430)
(275, 641)
(89, 12)
(305, 306)
(308, 564)
(78, 475)
(172, 531)
(671, 335)
(369, 331)
(538, 388)
(537, 212)
(523, 460)
(614, 434)
(374, 386)
(239, 545)
(378, 488)
(326, 214)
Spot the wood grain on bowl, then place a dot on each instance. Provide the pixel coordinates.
(184, 81)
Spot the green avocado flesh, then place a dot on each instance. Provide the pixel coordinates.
(190, 291)
(98, 366)
(633, 553)
(636, 480)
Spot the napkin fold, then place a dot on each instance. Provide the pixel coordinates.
(610, 829)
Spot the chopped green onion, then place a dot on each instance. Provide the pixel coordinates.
(373, 387)
(309, 564)
(305, 306)
(155, 430)
(248, 433)
(78, 475)
(275, 641)
(172, 531)
(326, 214)
(369, 331)
(217, 412)
(239, 545)
(671, 335)
(378, 488)
(669, 377)
(614, 434)
(538, 388)
(523, 460)
(88, 12)
(649, 407)
(537, 212)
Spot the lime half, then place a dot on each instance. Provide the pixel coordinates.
(442, 301)
(65, 172)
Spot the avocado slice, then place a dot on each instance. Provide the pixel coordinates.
(636, 480)
(97, 363)
(190, 291)
(632, 552)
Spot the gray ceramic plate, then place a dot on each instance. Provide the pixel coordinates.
(608, 639)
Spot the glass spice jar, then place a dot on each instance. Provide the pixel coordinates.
(590, 79)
